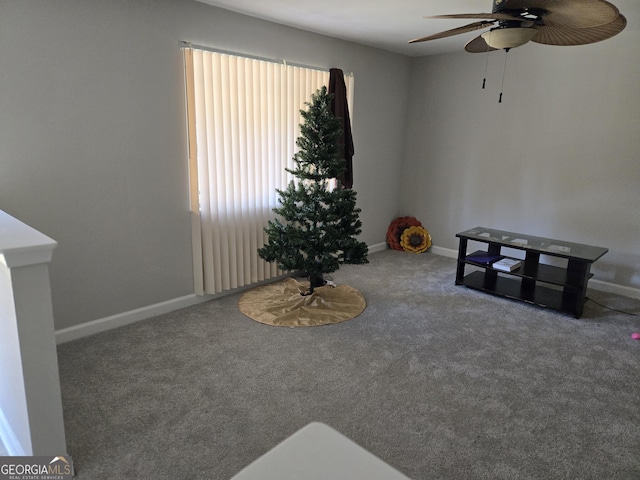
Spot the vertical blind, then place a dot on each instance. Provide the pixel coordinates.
(243, 122)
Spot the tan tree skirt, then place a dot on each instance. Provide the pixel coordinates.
(282, 305)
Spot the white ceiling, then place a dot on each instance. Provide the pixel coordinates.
(383, 24)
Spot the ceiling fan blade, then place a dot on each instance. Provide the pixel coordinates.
(486, 16)
(578, 36)
(568, 13)
(456, 31)
(478, 45)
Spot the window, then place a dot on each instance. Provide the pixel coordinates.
(243, 122)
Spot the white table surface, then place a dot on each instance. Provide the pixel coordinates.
(318, 452)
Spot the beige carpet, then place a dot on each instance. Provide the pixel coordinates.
(282, 304)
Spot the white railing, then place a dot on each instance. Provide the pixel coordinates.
(31, 421)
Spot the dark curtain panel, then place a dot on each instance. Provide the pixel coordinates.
(340, 109)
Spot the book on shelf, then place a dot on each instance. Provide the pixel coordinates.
(483, 258)
(507, 264)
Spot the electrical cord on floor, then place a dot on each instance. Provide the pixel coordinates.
(612, 309)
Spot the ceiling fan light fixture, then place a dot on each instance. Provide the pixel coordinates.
(508, 37)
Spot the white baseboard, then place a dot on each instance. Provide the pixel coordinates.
(444, 252)
(9, 439)
(378, 247)
(125, 318)
(614, 288)
(593, 283)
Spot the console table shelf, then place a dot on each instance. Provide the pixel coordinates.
(537, 271)
(513, 289)
(556, 287)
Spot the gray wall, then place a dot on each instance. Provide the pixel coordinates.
(559, 157)
(92, 137)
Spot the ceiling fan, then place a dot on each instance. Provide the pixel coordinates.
(513, 23)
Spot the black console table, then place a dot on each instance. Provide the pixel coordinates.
(561, 287)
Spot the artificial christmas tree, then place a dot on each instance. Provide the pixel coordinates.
(317, 226)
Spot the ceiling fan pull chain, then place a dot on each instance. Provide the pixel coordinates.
(486, 64)
(506, 51)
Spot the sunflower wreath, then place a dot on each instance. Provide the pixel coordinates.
(415, 239)
(397, 227)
